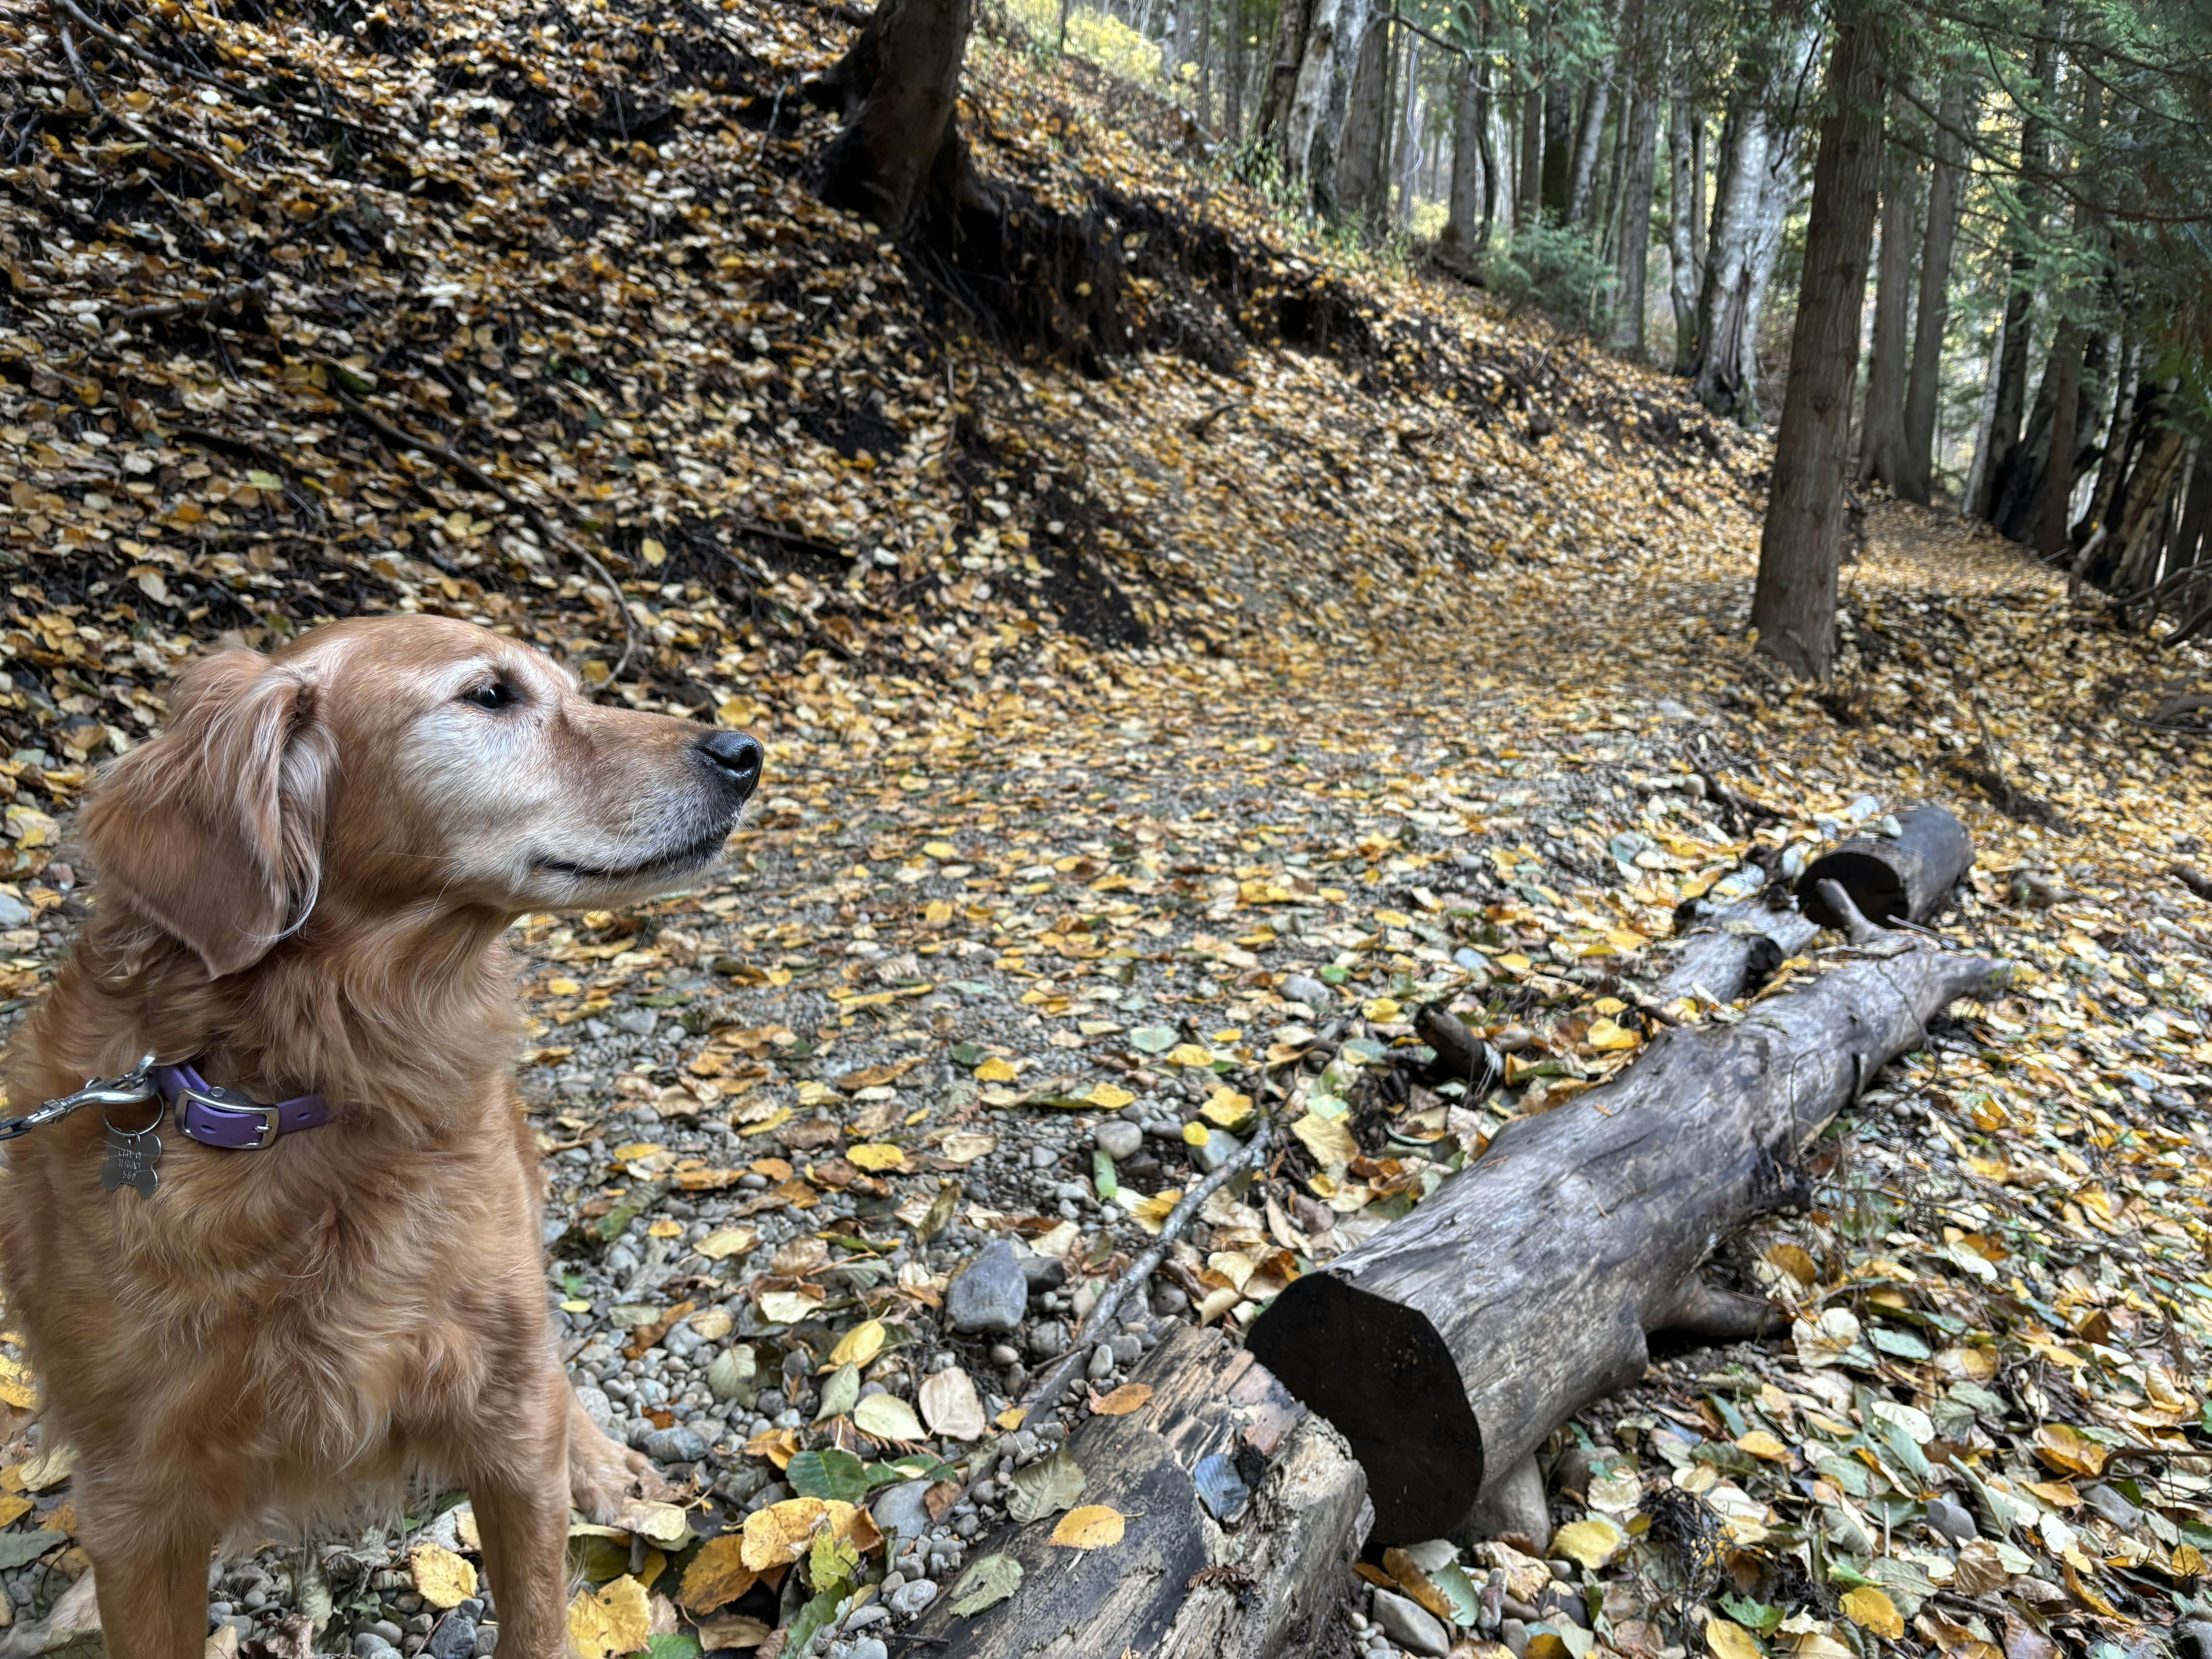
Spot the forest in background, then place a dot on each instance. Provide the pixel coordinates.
(2023, 239)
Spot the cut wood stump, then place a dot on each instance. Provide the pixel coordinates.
(1732, 948)
(1447, 1347)
(1180, 1584)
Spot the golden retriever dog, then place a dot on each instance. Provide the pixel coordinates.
(331, 1283)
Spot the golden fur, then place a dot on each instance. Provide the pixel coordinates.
(302, 885)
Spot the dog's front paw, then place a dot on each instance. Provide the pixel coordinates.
(605, 1478)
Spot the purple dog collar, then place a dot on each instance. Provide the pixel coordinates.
(223, 1117)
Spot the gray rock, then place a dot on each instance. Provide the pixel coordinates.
(596, 1406)
(1118, 1140)
(1514, 1634)
(369, 1645)
(388, 1629)
(992, 1294)
(638, 1021)
(1043, 1272)
(1101, 1364)
(1950, 1521)
(869, 1648)
(14, 913)
(454, 1638)
(1315, 994)
(2193, 1639)
(2107, 1502)
(1410, 1625)
(909, 1599)
(681, 1444)
(1515, 1505)
(487, 1640)
(1220, 1147)
(900, 1510)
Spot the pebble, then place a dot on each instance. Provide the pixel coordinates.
(1410, 1625)
(1118, 1140)
(14, 913)
(1218, 1148)
(681, 1444)
(1002, 1356)
(900, 1510)
(1515, 1634)
(639, 1022)
(454, 1638)
(908, 1600)
(1101, 1364)
(369, 1645)
(1315, 994)
(992, 1294)
(597, 1407)
(869, 1647)
(1950, 1521)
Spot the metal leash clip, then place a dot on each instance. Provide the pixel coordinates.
(134, 1088)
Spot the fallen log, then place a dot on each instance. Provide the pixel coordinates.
(1906, 877)
(1731, 949)
(1447, 1347)
(1262, 1582)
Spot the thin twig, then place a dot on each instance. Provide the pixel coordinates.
(76, 65)
(401, 438)
(200, 308)
(1047, 1388)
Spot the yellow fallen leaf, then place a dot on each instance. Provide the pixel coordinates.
(1760, 1443)
(878, 1155)
(1196, 1134)
(1189, 1054)
(860, 1345)
(636, 1149)
(616, 1619)
(1092, 1527)
(18, 1387)
(778, 1446)
(718, 1575)
(2068, 1450)
(1593, 1542)
(1327, 1139)
(1795, 1261)
(1151, 1213)
(726, 1242)
(1606, 1035)
(1129, 1397)
(779, 1535)
(563, 987)
(1109, 1097)
(664, 1229)
(995, 1070)
(1227, 1108)
(1726, 1639)
(443, 1577)
(1871, 1610)
(14, 1508)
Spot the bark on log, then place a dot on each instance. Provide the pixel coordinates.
(1889, 878)
(1732, 948)
(1447, 1347)
(1179, 1585)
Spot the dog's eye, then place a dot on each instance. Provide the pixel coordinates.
(495, 694)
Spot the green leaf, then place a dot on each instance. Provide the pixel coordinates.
(1336, 975)
(831, 1563)
(989, 1580)
(1904, 1344)
(261, 480)
(1045, 1487)
(673, 1645)
(967, 1054)
(815, 1617)
(914, 1465)
(21, 1548)
(1102, 1177)
(828, 1473)
(1154, 1039)
(1752, 1615)
(840, 1392)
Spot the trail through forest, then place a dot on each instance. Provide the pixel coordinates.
(1152, 727)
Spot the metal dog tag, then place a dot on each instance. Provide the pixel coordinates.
(131, 1160)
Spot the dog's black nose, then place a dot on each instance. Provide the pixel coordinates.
(736, 756)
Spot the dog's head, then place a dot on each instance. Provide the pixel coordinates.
(402, 765)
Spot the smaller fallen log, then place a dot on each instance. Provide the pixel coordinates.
(1732, 948)
(1892, 879)
(1447, 1347)
(1261, 1582)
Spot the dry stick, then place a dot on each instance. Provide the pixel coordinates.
(400, 437)
(1047, 1388)
(76, 65)
(201, 308)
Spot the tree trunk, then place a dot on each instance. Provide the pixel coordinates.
(1232, 81)
(2020, 294)
(1313, 129)
(1291, 1551)
(897, 88)
(2196, 512)
(1745, 137)
(1945, 193)
(1558, 143)
(1273, 112)
(2136, 537)
(1203, 11)
(2058, 471)
(1639, 127)
(1779, 192)
(1484, 110)
(1460, 244)
(1447, 1346)
(1696, 201)
(1527, 207)
(1881, 435)
(2119, 432)
(1359, 170)
(1409, 133)
(1589, 140)
(1682, 227)
(1977, 470)
(1794, 603)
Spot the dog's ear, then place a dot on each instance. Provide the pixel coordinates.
(215, 827)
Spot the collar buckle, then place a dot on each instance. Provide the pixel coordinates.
(229, 1106)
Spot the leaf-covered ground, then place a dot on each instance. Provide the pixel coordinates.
(1145, 744)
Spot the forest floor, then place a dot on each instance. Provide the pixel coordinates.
(1138, 738)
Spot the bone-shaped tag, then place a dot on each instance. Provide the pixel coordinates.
(130, 1161)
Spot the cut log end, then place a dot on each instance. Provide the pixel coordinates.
(1362, 1361)
(1891, 879)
